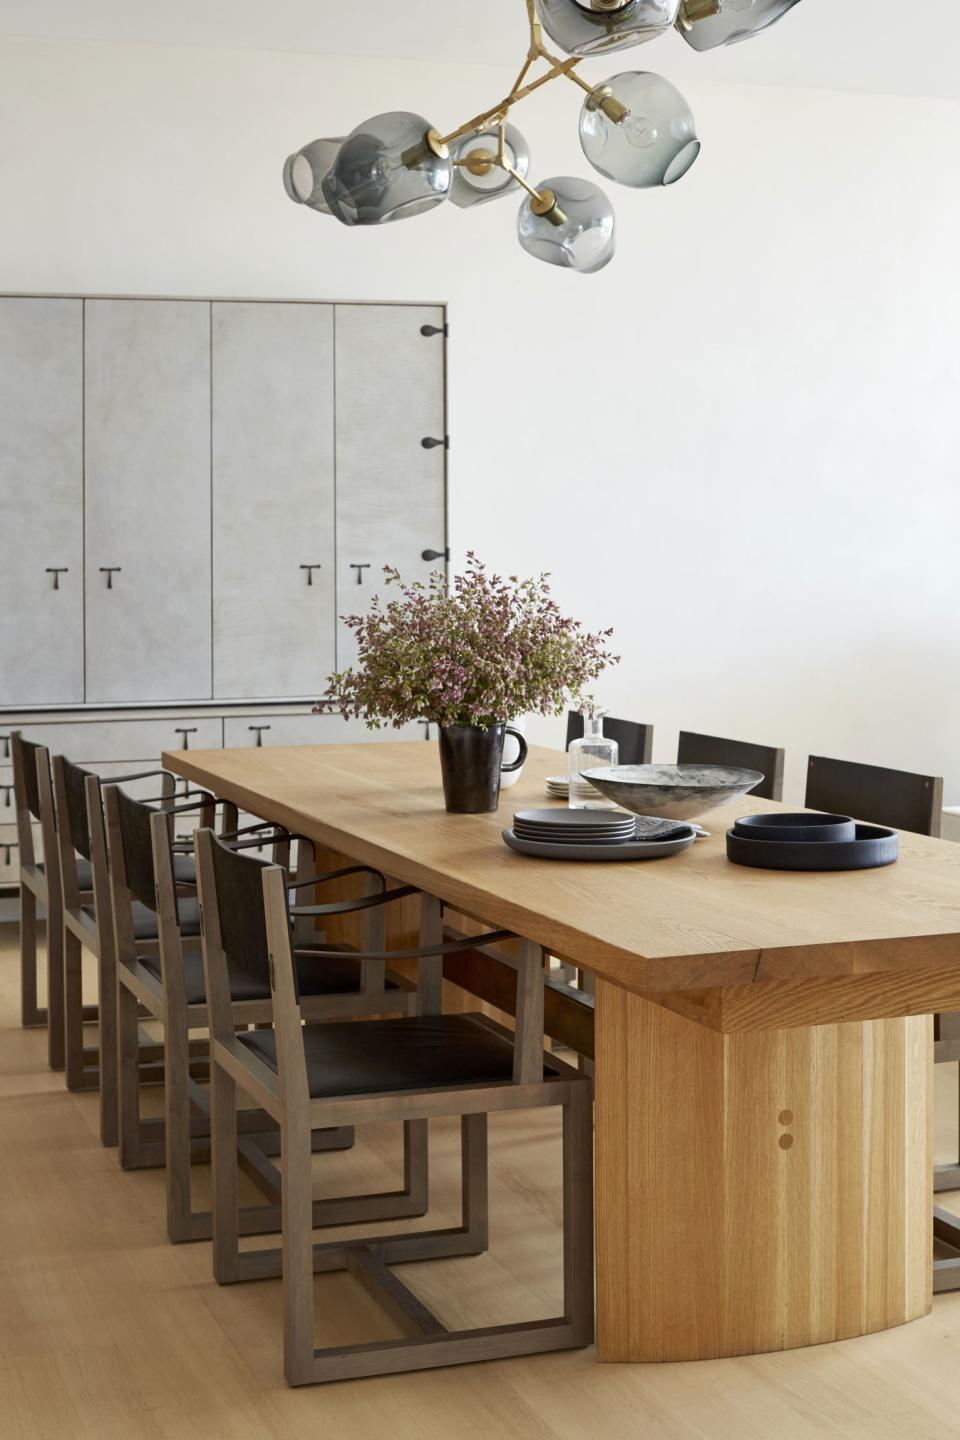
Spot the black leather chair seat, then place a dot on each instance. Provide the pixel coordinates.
(320, 976)
(145, 920)
(184, 871)
(418, 1052)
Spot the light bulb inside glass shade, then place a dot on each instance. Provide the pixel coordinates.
(577, 232)
(654, 143)
(387, 169)
(735, 20)
(594, 27)
(304, 172)
(476, 177)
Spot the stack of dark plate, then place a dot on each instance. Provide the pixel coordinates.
(810, 841)
(593, 835)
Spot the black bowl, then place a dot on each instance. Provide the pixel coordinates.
(810, 826)
(873, 845)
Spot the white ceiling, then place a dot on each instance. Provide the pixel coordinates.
(892, 46)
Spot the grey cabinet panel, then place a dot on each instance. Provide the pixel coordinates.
(390, 490)
(147, 398)
(88, 742)
(273, 500)
(41, 501)
(241, 730)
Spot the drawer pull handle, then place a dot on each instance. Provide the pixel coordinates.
(7, 792)
(185, 732)
(430, 442)
(7, 847)
(426, 728)
(259, 729)
(310, 569)
(5, 742)
(435, 554)
(360, 569)
(56, 571)
(428, 330)
(110, 571)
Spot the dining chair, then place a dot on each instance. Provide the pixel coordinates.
(896, 798)
(696, 749)
(169, 986)
(39, 889)
(88, 925)
(407, 1070)
(634, 741)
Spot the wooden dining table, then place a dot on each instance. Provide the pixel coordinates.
(763, 1044)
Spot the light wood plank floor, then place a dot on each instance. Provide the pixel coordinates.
(106, 1331)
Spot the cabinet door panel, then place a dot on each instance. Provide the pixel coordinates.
(147, 397)
(390, 489)
(88, 742)
(273, 500)
(41, 501)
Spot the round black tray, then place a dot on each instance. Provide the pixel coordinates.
(808, 825)
(873, 846)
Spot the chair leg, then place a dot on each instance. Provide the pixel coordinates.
(30, 1014)
(578, 1213)
(107, 1043)
(128, 1078)
(474, 1187)
(73, 1009)
(297, 1205)
(226, 1187)
(176, 1111)
(56, 1053)
(416, 1165)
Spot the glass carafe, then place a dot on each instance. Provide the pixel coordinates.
(592, 752)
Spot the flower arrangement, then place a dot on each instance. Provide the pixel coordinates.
(476, 654)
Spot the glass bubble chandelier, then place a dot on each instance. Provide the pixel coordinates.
(635, 128)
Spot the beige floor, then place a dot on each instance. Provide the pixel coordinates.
(106, 1331)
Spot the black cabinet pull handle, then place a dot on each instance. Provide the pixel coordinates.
(186, 732)
(310, 569)
(110, 571)
(5, 742)
(12, 845)
(259, 729)
(56, 571)
(426, 728)
(428, 330)
(435, 554)
(430, 442)
(7, 792)
(360, 569)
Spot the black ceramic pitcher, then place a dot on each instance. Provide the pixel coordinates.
(471, 761)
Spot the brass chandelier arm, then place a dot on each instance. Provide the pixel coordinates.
(481, 121)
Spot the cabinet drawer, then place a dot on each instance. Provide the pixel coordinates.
(307, 730)
(88, 741)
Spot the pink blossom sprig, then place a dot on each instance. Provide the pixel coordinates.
(480, 653)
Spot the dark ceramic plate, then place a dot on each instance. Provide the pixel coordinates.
(874, 846)
(616, 850)
(809, 826)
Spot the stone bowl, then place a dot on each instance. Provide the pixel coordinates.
(674, 792)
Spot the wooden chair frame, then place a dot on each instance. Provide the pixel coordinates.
(91, 1067)
(39, 887)
(285, 1096)
(182, 1136)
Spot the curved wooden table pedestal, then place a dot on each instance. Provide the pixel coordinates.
(758, 1190)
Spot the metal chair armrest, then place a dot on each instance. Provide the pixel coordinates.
(365, 902)
(338, 875)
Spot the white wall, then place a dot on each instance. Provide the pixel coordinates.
(738, 444)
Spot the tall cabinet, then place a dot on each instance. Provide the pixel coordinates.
(192, 493)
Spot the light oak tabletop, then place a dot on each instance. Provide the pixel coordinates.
(687, 922)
